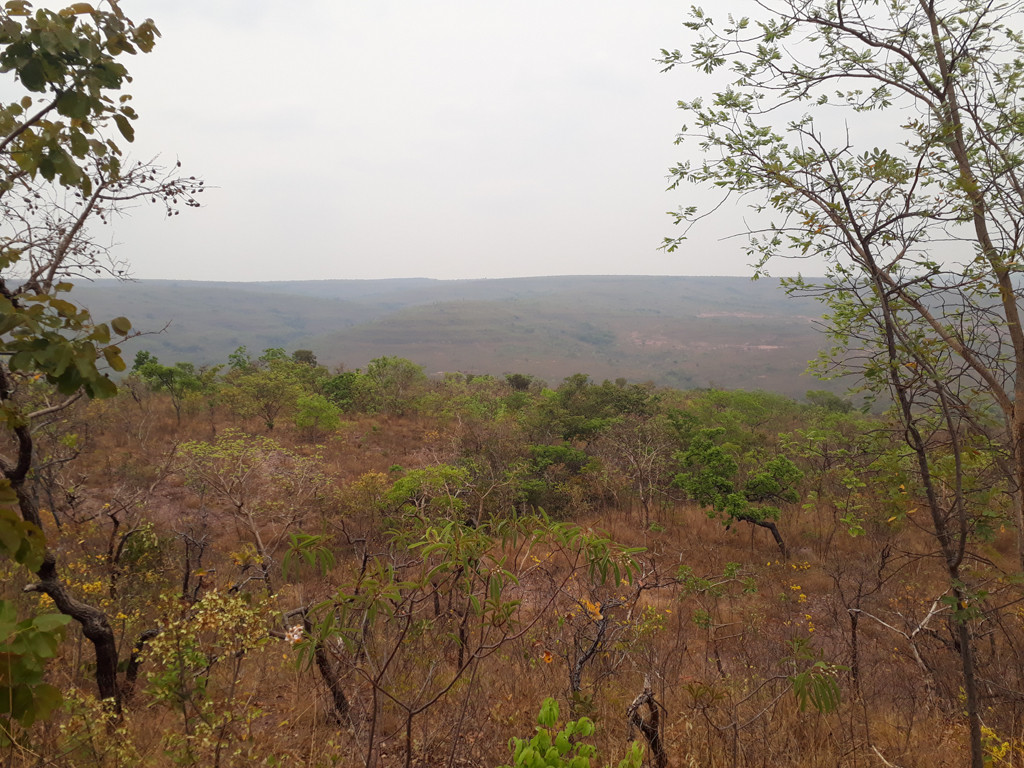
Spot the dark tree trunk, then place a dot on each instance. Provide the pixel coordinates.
(94, 622)
(775, 533)
(649, 727)
(329, 673)
(131, 673)
(854, 649)
(94, 626)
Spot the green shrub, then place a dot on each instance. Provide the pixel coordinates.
(562, 749)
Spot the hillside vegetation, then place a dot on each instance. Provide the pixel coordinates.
(673, 331)
(376, 568)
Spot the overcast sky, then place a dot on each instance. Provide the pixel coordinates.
(397, 138)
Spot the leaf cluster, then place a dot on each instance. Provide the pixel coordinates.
(551, 747)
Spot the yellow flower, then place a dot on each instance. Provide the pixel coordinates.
(593, 610)
(548, 658)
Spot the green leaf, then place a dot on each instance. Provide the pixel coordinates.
(101, 387)
(47, 698)
(48, 622)
(8, 616)
(125, 127)
(10, 536)
(79, 144)
(100, 334)
(74, 104)
(32, 76)
(20, 540)
(42, 644)
(562, 743)
(21, 705)
(122, 326)
(114, 359)
(65, 308)
(548, 715)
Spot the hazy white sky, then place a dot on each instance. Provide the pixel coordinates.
(397, 138)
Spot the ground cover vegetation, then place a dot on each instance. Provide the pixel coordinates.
(273, 562)
(412, 582)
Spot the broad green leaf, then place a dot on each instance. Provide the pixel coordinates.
(113, 358)
(32, 77)
(79, 145)
(125, 127)
(46, 699)
(47, 622)
(43, 644)
(122, 326)
(74, 104)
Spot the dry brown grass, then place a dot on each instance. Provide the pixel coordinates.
(719, 660)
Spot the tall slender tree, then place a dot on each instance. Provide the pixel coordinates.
(61, 169)
(915, 204)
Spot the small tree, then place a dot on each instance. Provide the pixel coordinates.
(263, 392)
(433, 491)
(456, 602)
(520, 382)
(265, 488)
(178, 380)
(305, 357)
(315, 415)
(240, 360)
(828, 401)
(390, 385)
(709, 478)
(640, 449)
(553, 747)
(342, 389)
(579, 410)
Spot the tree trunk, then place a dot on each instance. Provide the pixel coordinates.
(775, 533)
(131, 673)
(94, 622)
(329, 673)
(649, 727)
(94, 626)
(854, 650)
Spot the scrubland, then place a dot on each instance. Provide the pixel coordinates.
(407, 583)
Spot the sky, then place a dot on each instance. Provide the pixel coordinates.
(387, 138)
(401, 138)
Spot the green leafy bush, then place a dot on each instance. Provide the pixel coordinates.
(565, 748)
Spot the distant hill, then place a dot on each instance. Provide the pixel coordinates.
(676, 331)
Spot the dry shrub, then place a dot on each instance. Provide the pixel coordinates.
(720, 642)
